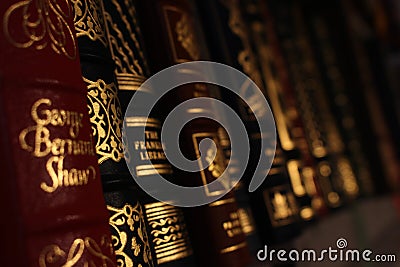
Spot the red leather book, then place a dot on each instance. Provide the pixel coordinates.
(51, 190)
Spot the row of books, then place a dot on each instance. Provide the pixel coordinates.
(69, 70)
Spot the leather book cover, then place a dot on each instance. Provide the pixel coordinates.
(300, 165)
(167, 228)
(379, 103)
(127, 220)
(328, 36)
(171, 35)
(230, 43)
(336, 175)
(52, 191)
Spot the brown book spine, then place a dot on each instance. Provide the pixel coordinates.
(170, 33)
(52, 189)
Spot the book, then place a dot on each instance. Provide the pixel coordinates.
(342, 84)
(51, 192)
(336, 174)
(274, 205)
(127, 220)
(365, 44)
(168, 233)
(172, 35)
(299, 164)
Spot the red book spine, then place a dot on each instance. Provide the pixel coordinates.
(51, 184)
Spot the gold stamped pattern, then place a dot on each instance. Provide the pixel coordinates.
(168, 232)
(43, 23)
(105, 115)
(185, 33)
(125, 47)
(89, 20)
(214, 161)
(281, 205)
(181, 34)
(54, 255)
(130, 219)
(246, 57)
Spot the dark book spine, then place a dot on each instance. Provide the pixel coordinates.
(373, 83)
(336, 61)
(245, 212)
(275, 207)
(171, 35)
(51, 191)
(167, 226)
(335, 173)
(124, 202)
(300, 166)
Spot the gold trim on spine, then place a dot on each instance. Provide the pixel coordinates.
(43, 24)
(295, 177)
(129, 234)
(125, 46)
(129, 83)
(144, 170)
(233, 248)
(168, 232)
(246, 221)
(222, 202)
(78, 250)
(105, 116)
(88, 20)
(142, 122)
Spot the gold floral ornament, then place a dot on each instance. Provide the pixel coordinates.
(54, 255)
(89, 20)
(105, 115)
(41, 23)
(133, 218)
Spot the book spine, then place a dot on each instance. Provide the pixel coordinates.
(371, 83)
(245, 212)
(274, 205)
(127, 219)
(339, 76)
(167, 226)
(335, 173)
(53, 185)
(301, 168)
(172, 37)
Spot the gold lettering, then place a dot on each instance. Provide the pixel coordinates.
(42, 139)
(34, 112)
(53, 176)
(65, 177)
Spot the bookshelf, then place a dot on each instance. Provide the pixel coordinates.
(328, 70)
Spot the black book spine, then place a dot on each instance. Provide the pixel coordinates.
(336, 60)
(172, 35)
(335, 173)
(167, 226)
(275, 207)
(128, 223)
